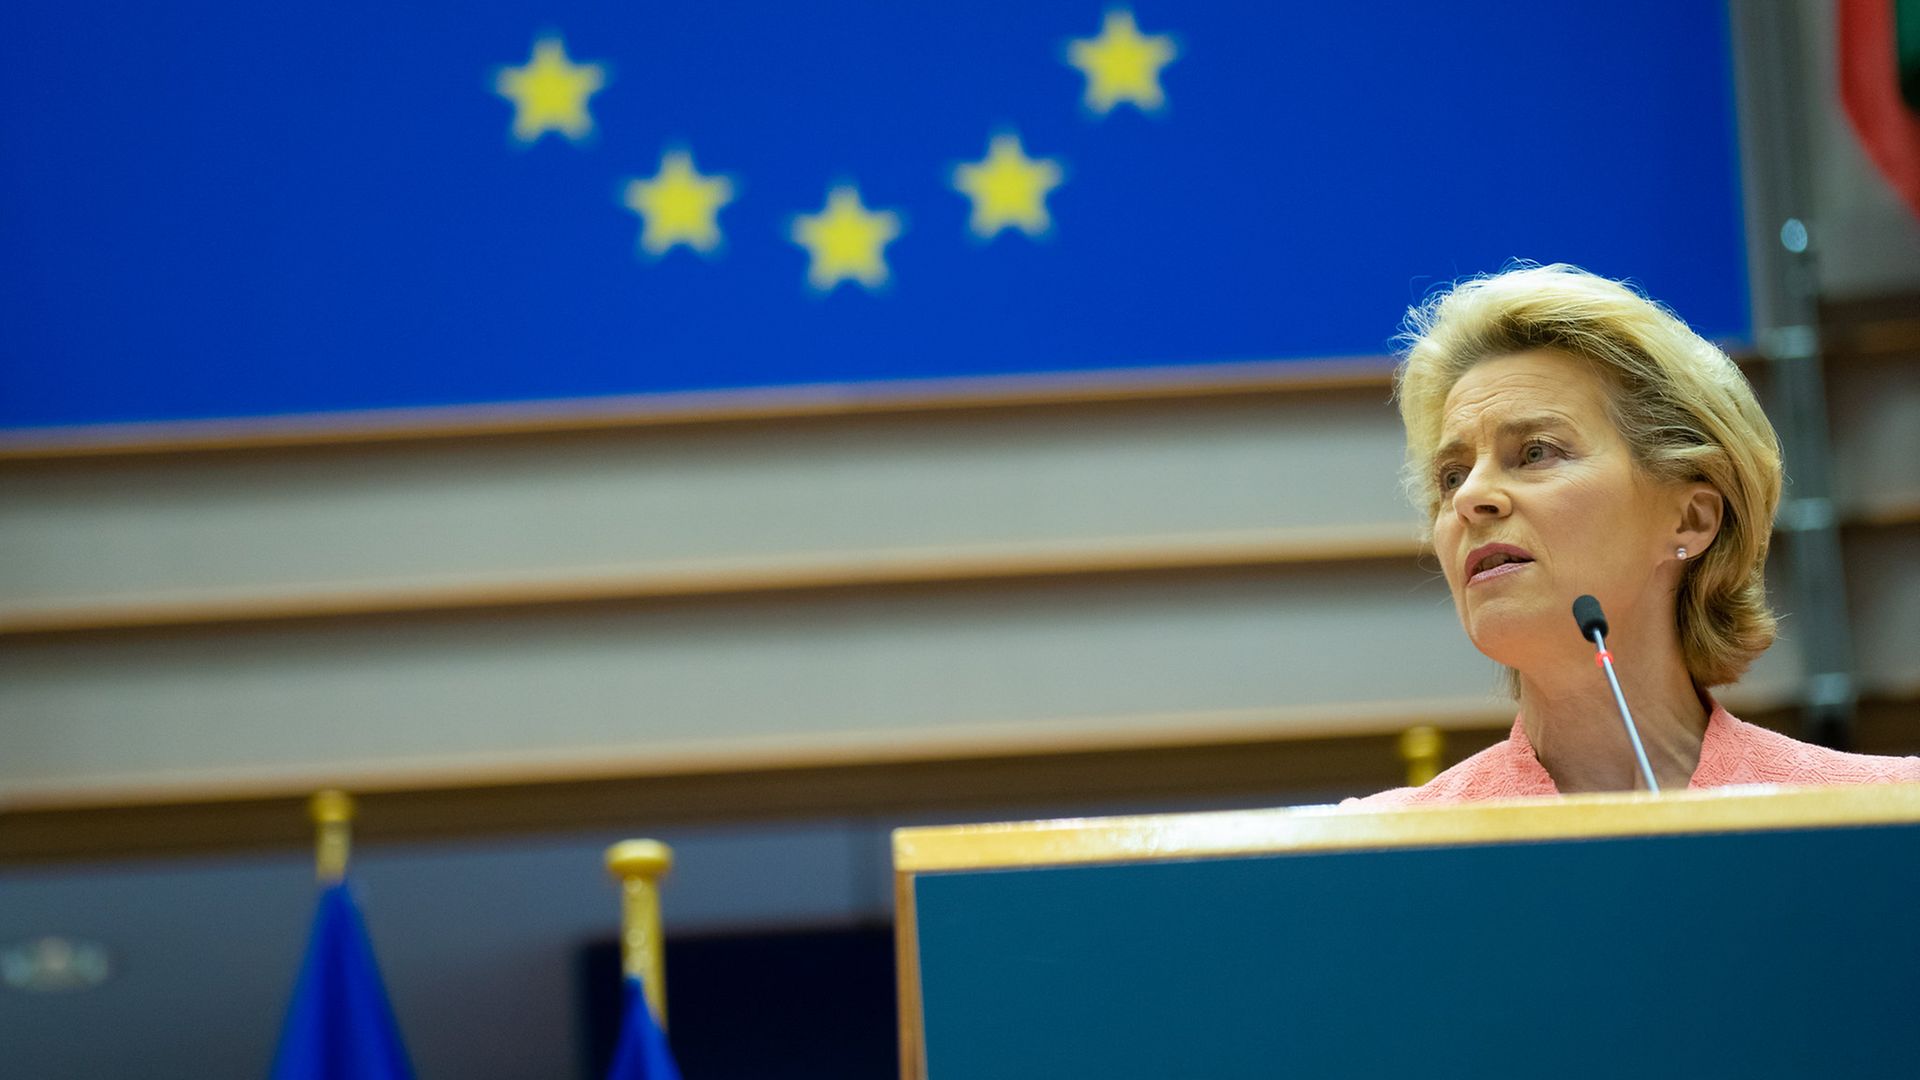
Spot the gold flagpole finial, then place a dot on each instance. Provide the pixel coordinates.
(1420, 749)
(640, 864)
(332, 814)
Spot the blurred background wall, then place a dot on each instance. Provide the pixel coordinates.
(767, 641)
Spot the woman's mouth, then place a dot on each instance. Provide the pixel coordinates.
(1489, 562)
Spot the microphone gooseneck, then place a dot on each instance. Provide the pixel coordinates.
(1593, 627)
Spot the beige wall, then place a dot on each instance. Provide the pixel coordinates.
(353, 698)
(935, 665)
(704, 675)
(358, 698)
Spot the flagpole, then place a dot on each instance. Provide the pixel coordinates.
(640, 864)
(1420, 750)
(332, 814)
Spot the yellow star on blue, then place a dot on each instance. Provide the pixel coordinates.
(1122, 65)
(550, 93)
(844, 241)
(1008, 189)
(677, 205)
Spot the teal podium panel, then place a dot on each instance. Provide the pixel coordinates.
(1504, 946)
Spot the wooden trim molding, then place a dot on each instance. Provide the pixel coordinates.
(714, 578)
(1860, 329)
(1871, 327)
(699, 408)
(1887, 514)
(663, 761)
(1264, 758)
(704, 409)
(1261, 752)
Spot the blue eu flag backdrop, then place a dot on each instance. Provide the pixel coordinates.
(339, 1025)
(220, 209)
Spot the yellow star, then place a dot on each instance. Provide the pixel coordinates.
(1008, 189)
(550, 93)
(1121, 64)
(845, 239)
(678, 205)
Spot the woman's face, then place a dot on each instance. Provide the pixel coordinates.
(1540, 502)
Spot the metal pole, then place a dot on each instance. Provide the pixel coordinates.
(332, 814)
(1774, 94)
(1421, 749)
(640, 864)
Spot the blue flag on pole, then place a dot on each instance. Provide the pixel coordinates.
(339, 1025)
(642, 1053)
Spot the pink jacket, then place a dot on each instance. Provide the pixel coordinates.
(1734, 752)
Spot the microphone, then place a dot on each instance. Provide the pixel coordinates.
(1593, 627)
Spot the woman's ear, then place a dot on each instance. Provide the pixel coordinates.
(1701, 509)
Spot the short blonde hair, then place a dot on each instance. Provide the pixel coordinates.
(1680, 403)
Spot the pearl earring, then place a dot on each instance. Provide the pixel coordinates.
(1680, 553)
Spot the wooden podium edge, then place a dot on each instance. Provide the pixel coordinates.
(1239, 833)
(775, 404)
(906, 973)
(1225, 834)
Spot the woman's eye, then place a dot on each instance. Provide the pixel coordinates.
(1535, 452)
(1451, 478)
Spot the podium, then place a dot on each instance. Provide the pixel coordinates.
(1751, 932)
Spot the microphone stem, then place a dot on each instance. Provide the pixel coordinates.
(1633, 733)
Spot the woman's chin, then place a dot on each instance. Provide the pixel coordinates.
(1509, 633)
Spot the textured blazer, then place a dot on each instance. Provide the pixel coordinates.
(1733, 752)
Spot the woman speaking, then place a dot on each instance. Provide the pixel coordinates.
(1567, 436)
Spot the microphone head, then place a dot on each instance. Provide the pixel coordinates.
(1586, 612)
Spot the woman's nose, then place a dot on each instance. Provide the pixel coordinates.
(1480, 495)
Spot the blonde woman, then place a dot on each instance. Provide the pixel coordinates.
(1565, 435)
